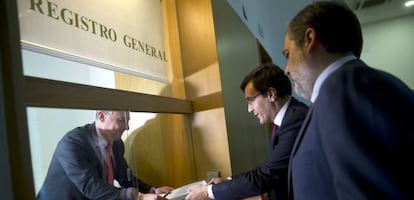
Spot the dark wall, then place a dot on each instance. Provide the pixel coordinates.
(238, 53)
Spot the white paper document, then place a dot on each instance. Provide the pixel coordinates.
(181, 192)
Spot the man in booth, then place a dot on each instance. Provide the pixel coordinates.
(88, 160)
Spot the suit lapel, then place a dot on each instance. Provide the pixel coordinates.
(92, 139)
(295, 147)
(290, 109)
(302, 131)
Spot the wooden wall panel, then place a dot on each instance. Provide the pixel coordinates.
(203, 86)
(210, 143)
(198, 45)
(160, 151)
(141, 85)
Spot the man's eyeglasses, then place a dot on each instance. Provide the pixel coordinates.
(250, 100)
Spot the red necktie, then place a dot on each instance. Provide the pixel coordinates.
(274, 131)
(108, 161)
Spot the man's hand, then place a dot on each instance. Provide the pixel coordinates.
(215, 181)
(163, 189)
(150, 196)
(198, 192)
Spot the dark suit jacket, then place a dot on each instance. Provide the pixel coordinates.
(75, 171)
(358, 142)
(273, 173)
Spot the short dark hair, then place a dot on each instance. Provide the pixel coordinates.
(268, 75)
(335, 24)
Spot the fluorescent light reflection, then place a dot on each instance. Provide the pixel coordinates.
(409, 3)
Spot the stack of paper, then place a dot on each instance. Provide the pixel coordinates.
(181, 192)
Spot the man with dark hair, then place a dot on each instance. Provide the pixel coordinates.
(88, 159)
(358, 138)
(268, 93)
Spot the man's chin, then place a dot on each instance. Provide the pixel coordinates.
(300, 93)
(261, 122)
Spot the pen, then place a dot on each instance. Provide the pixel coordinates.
(166, 194)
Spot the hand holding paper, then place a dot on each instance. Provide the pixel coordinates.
(181, 192)
(215, 181)
(149, 196)
(197, 192)
(163, 190)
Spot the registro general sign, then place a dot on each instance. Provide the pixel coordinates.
(124, 35)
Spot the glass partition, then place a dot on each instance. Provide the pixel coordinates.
(48, 125)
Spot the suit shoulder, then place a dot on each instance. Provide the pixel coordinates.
(79, 133)
(295, 114)
(357, 79)
(298, 106)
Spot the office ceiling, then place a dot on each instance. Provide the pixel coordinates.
(369, 11)
(267, 19)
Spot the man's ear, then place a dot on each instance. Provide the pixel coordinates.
(101, 116)
(311, 40)
(272, 94)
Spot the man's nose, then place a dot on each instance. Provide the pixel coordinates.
(249, 108)
(287, 71)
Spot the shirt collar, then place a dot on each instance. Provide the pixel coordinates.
(326, 72)
(281, 114)
(101, 142)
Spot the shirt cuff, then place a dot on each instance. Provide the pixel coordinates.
(129, 193)
(153, 190)
(210, 191)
